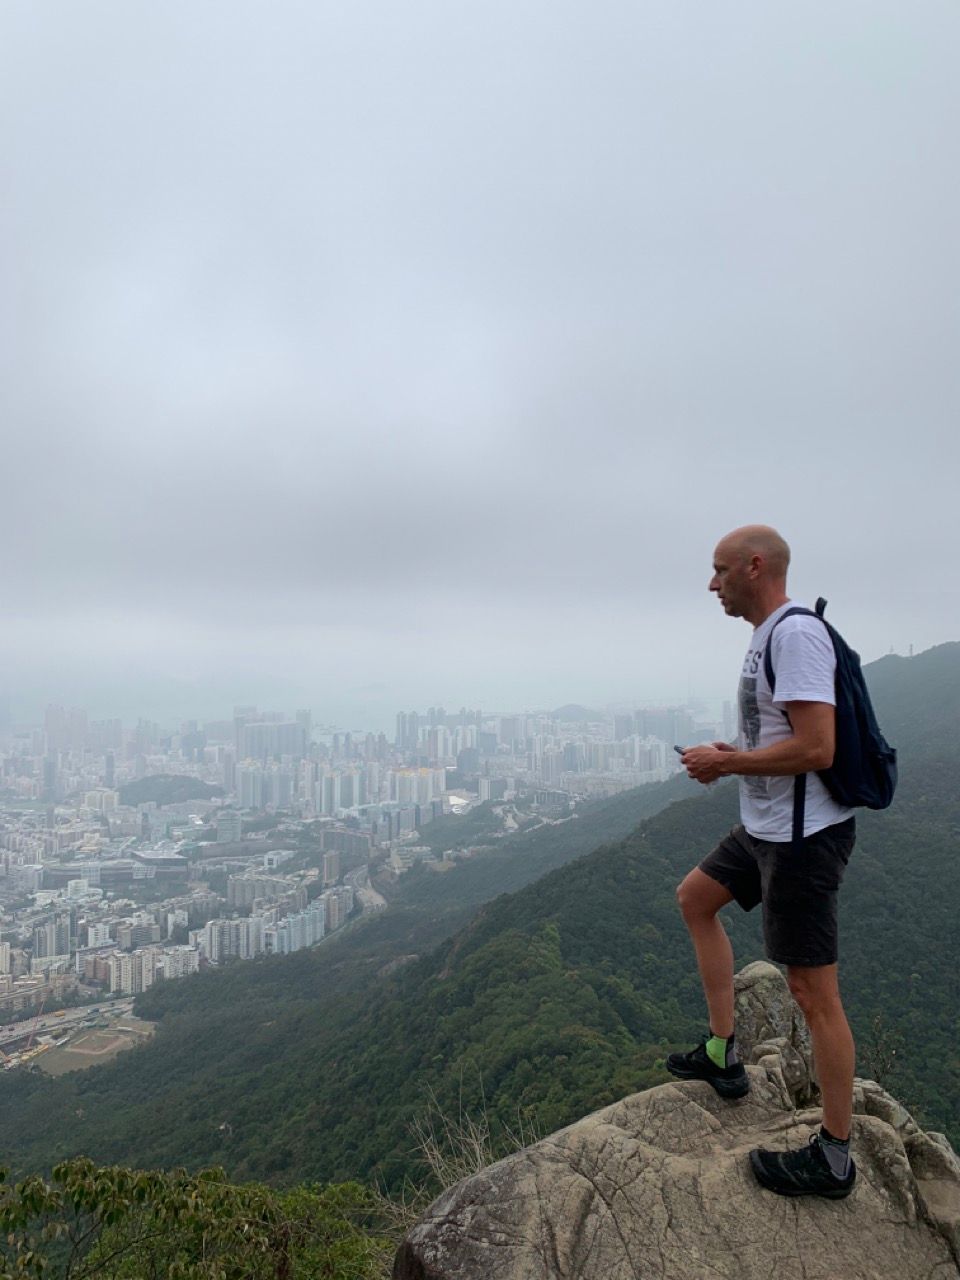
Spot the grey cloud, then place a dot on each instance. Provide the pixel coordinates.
(481, 312)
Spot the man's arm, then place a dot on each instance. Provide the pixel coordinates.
(810, 747)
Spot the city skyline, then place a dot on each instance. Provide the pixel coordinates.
(130, 855)
(374, 709)
(64, 725)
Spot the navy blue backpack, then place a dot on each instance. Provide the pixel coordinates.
(864, 769)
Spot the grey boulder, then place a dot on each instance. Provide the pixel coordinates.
(659, 1185)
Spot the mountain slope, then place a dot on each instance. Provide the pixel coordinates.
(521, 859)
(227, 1024)
(553, 1001)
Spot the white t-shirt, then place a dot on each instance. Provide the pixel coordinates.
(804, 664)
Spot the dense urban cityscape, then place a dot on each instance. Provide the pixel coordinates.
(131, 855)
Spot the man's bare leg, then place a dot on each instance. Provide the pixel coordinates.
(825, 1167)
(817, 992)
(700, 898)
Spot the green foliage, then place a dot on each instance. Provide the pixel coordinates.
(163, 788)
(459, 830)
(119, 1224)
(544, 1004)
(520, 859)
(245, 1069)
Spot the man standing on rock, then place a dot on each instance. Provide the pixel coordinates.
(782, 734)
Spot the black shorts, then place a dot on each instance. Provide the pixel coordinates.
(798, 888)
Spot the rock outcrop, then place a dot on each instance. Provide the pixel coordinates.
(659, 1185)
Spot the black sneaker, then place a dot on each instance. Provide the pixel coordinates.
(729, 1082)
(805, 1172)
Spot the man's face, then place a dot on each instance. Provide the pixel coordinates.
(731, 579)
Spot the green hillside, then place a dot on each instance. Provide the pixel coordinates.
(520, 859)
(551, 1002)
(307, 994)
(167, 788)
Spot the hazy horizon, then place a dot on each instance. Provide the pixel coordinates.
(376, 714)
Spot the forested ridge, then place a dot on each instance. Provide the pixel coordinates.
(162, 788)
(548, 1003)
(231, 1022)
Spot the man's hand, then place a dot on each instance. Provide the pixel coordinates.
(706, 763)
(809, 747)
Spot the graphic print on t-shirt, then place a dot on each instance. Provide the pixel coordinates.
(805, 664)
(750, 729)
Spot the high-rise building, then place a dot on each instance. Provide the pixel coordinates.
(278, 785)
(245, 889)
(338, 903)
(332, 910)
(50, 791)
(217, 937)
(52, 937)
(302, 929)
(371, 783)
(241, 716)
(265, 740)
(622, 727)
(178, 962)
(105, 736)
(551, 766)
(249, 786)
(229, 826)
(146, 736)
(492, 788)
(669, 724)
(220, 732)
(136, 971)
(228, 765)
(408, 732)
(55, 729)
(102, 800)
(137, 933)
(243, 938)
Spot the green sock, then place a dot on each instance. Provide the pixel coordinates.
(721, 1050)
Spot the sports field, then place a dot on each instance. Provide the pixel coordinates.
(94, 1045)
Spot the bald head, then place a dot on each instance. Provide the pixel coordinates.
(758, 540)
(750, 572)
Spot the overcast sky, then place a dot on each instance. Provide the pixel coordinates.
(376, 354)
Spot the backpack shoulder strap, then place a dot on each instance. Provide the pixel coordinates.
(816, 612)
(800, 781)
